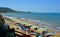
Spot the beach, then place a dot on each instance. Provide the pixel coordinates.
(57, 34)
(49, 20)
(30, 18)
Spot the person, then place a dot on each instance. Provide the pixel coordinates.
(2, 21)
(43, 34)
(22, 27)
(38, 35)
(32, 32)
(36, 29)
(2, 29)
(17, 26)
(29, 27)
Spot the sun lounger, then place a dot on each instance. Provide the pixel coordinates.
(50, 34)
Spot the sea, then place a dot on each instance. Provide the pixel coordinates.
(49, 20)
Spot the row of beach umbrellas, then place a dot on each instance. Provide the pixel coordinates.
(26, 23)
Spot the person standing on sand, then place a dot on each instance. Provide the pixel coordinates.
(43, 34)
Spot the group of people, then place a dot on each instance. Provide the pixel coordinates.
(23, 27)
(5, 31)
(33, 31)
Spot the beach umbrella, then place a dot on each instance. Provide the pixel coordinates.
(43, 29)
(34, 27)
(14, 19)
(23, 22)
(28, 24)
(19, 21)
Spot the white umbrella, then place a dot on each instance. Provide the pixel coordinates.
(28, 24)
(34, 27)
(23, 23)
(43, 29)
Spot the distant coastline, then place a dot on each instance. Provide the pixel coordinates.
(8, 10)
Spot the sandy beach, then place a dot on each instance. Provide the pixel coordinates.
(57, 34)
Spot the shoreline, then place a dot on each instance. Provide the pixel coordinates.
(43, 25)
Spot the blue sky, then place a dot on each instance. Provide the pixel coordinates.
(32, 5)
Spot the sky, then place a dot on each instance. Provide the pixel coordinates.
(32, 5)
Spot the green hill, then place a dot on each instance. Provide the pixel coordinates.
(4, 9)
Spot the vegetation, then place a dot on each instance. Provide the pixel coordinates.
(4, 9)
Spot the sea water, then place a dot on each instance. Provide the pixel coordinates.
(51, 20)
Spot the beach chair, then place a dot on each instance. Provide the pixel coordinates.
(50, 34)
